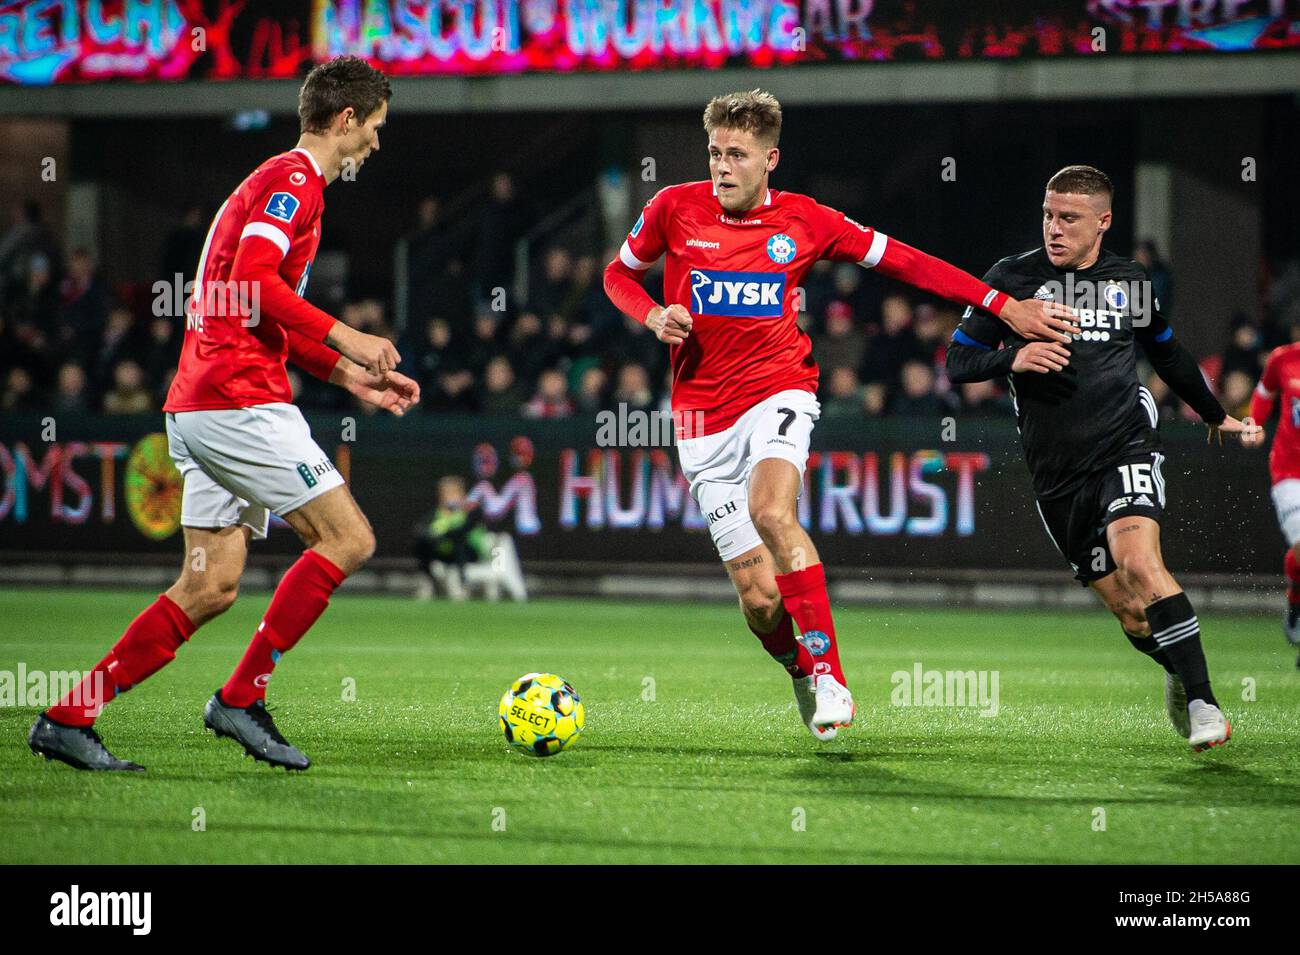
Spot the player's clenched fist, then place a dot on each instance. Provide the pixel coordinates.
(375, 354)
(1041, 357)
(670, 324)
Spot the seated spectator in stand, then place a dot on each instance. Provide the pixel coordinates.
(484, 342)
(1237, 388)
(162, 350)
(985, 399)
(896, 344)
(434, 354)
(929, 328)
(83, 302)
(591, 390)
(841, 345)
(128, 394)
(20, 391)
(530, 350)
(633, 389)
(1162, 281)
(1245, 351)
(553, 292)
(453, 390)
(501, 396)
(551, 399)
(843, 397)
(70, 390)
(874, 394)
(117, 344)
(916, 395)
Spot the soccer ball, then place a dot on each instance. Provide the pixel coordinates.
(541, 714)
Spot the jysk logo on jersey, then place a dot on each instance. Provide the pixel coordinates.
(780, 248)
(282, 206)
(738, 294)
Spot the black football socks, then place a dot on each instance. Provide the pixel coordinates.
(1178, 636)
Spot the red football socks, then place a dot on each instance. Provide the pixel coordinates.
(805, 598)
(148, 645)
(299, 600)
(785, 649)
(1292, 578)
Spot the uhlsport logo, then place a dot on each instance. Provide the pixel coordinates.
(738, 294)
(75, 907)
(781, 248)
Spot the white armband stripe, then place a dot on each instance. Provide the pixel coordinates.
(631, 261)
(877, 251)
(267, 231)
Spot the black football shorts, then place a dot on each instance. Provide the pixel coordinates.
(1133, 487)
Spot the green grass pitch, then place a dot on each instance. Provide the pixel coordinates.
(692, 752)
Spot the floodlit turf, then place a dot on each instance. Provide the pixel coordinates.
(693, 751)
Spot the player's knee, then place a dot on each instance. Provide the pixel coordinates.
(211, 596)
(773, 520)
(1132, 617)
(1141, 567)
(358, 547)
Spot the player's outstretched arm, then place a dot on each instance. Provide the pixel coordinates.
(1179, 370)
(1030, 319)
(388, 391)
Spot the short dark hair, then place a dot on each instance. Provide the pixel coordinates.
(332, 87)
(1082, 181)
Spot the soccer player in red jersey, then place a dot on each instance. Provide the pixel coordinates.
(243, 449)
(744, 380)
(1281, 378)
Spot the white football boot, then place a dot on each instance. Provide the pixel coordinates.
(806, 698)
(835, 706)
(1176, 705)
(1209, 727)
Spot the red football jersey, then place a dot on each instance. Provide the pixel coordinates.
(227, 359)
(1281, 378)
(740, 278)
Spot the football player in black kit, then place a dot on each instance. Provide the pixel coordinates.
(1089, 429)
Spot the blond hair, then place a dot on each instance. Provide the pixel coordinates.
(755, 111)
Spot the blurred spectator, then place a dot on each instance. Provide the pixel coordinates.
(841, 345)
(128, 394)
(984, 399)
(1162, 280)
(896, 344)
(551, 399)
(83, 302)
(843, 394)
(916, 394)
(27, 236)
(553, 290)
(591, 390)
(498, 229)
(183, 247)
(117, 344)
(20, 391)
(873, 399)
(483, 344)
(162, 350)
(633, 389)
(453, 390)
(70, 390)
(1237, 387)
(1245, 351)
(500, 394)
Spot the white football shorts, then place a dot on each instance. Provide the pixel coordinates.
(718, 466)
(240, 465)
(1286, 498)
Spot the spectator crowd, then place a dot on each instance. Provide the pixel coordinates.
(70, 343)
